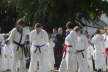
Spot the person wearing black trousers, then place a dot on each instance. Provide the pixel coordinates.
(59, 41)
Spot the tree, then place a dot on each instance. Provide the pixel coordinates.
(52, 13)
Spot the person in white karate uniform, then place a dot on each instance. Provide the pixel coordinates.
(82, 45)
(39, 56)
(51, 59)
(7, 57)
(1, 52)
(70, 44)
(106, 43)
(63, 68)
(90, 54)
(98, 41)
(17, 38)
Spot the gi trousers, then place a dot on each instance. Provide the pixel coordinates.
(83, 65)
(19, 64)
(39, 61)
(71, 60)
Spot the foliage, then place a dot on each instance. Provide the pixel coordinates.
(51, 13)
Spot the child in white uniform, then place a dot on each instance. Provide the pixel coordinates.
(7, 57)
(51, 45)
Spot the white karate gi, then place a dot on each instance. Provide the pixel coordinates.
(71, 57)
(82, 54)
(7, 57)
(27, 30)
(90, 53)
(51, 55)
(63, 67)
(98, 41)
(106, 45)
(18, 55)
(1, 43)
(39, 56)
(63, 62)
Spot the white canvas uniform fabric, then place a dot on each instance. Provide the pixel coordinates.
(51, 59)
(71, 58)
(106, 46)
(1, 43)
(98, 41)
(63, 67)
(18, 55)
(82, 45)
(39, 56)
(27, 30)
(7, 57)
(90, 53)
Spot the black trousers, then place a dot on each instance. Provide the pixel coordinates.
(0, 51)
(58, 56)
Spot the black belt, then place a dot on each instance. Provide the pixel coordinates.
(22, 46)
(81, 51)
(38, 48)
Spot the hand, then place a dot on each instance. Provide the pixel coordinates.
(7, 42)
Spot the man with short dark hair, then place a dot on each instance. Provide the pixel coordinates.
(59, 42)
(39, 57)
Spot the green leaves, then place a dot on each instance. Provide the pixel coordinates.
(52, 13)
